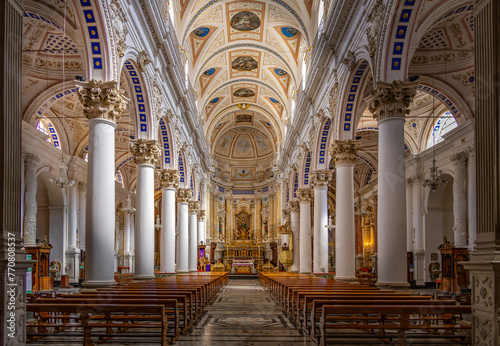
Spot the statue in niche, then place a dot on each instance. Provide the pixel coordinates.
(243, 231)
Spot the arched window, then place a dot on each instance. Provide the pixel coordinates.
(443, 125)
(45, 126)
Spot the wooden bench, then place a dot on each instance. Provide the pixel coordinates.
(405, 321)
(102, 316)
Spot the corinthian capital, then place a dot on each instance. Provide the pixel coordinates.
(169, 178)
(459, 158)
(194, 207)
(344, 152)
(31, 160)
(293, 206)
(321, 178)
(201, 215)
(101, 100)
(305, 195)
(392, 100)
(184, 195)
(145, 151)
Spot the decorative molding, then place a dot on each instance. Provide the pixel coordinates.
(143, 60)
(392, 100)
(294, 206)
(305, 195)
(194, 207)
(145, 151)
(321, 178)
(169, 178)
(184, 195)
(101, 100)
(344, 152)
(375, 22)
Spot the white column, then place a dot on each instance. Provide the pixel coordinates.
(344, 153)
(305, 197)
(183, 197)
(201, 228)
(129, 211)
(132, 242)
(83, 211)
(295, 226)
(194, 207)
(390, 104)
(100, 218)
(30, 182)
(146, 153)
(169, 180)
(72, 252)
(459, 199)
(320, 259)
(102, 105)
(471, 194)
(418, 226)
(409, 215)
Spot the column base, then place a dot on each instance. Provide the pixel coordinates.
(393, 285)
(144, 277)
(351, 279)
(98, 284)
(306, 273)
(183, 272)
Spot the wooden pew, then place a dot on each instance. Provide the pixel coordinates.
(91, 316)
(377, 322)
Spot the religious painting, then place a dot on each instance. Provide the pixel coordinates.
(243, 173)
(209, 72)
(243, 226)
(289, 32)
(244, 92)
(244, 63)
(243, 118)
(245, 21)
(201, 32)
(280, 72)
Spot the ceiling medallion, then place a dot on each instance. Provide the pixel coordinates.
(245, 21)
(244, 63)
(243, 106)
(244, 92)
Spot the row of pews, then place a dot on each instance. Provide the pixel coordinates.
(148, 311)
(329, 310)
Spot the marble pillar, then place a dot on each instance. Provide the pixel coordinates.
(183, 197)
(418, 226)
(72, 251)
(169, 181)
(102, 105)
(344, 154)
(320, 181)
(201, 228)
(305, 197)
(146, 153)
(294, 208)
(390, 104)
(82, 188)
(471, 197)
(30, 182)
(127, 252)
(194, 208)
(459, 199)
(409, 215)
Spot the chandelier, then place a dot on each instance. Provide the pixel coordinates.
(128, 208)
(63, 180)
(361, 210)
(434, 181)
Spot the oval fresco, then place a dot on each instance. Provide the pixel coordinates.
(214, 100)
(245, 21)
(201, 31)
(273, 100)
(244, 92)
(209, 72)
(280, 72)
(289, 32)
(244, 63)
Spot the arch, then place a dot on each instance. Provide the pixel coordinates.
(351, 100)
(295, 185)
(182, 169)
(46, 126)
(322, 146)
(306, 170)
(140, 99)
(166, 144)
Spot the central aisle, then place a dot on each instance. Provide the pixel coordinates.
(243, 314)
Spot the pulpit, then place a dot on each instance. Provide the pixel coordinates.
(40, 274)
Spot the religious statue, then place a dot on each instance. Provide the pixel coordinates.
(242, 231)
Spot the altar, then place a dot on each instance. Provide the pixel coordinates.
(243, 266)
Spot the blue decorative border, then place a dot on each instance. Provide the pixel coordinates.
(296, 184)
(55, 98)
(265, 189)
(165, 142)
(221, 189)
(436, 93)
(181, 167)
(280, 2)
(138, 90)
(243, 192)
(240, 45)
(90, 20)
(400, 33)
(39, 17)
(323, 141)
(354, 91)
(307, 168)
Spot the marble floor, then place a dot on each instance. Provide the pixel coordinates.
(243, 314)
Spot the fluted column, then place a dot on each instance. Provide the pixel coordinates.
(183, 197)
(305, 197)
(459, 199)
(320, 181)
(31, 164)
(194, 208)
(146, 154)
(471, 196)
(102, 105)
(390, 104)
(169, 180)
(344, 153)
(82, 188)
(294, 208)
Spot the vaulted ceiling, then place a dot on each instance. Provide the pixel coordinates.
(244, 60)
